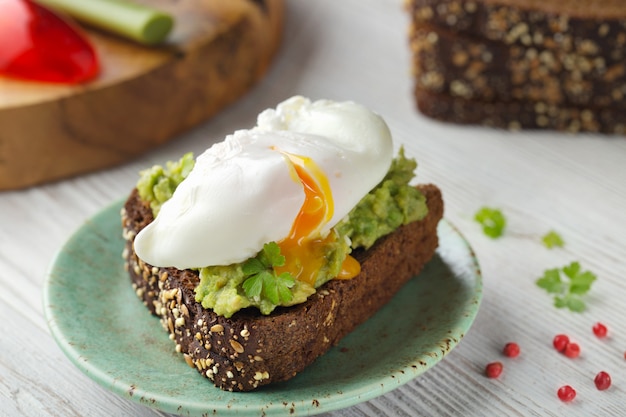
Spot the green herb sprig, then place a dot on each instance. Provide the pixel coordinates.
(552, 240)
(262, 281)
(492, 221)
(567, 293)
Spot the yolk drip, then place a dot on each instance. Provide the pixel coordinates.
(304, 247)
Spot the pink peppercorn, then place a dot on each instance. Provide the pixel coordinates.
(560, 342)
(599, 330)
(566, 393)
(493, 370)
(572, 350)
(511, 350)
(602, 381)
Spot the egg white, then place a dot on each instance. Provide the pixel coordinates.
(242, 192)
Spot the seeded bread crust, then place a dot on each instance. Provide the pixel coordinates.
(516, 115)
(445, 62)
(587, 27)
(250, 350)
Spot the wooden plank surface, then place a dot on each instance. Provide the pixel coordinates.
(143, 97)
(358, 50)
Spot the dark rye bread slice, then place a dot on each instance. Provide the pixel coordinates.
(593, 28)
(250, 350)
(471, 68)
(516, 115)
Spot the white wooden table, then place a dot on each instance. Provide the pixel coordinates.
(358, 50)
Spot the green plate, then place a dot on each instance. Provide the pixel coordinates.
(105, 330)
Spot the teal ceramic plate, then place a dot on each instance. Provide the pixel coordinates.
(106, 331)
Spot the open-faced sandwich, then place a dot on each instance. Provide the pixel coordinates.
(272, 245)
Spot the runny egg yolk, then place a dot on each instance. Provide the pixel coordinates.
(303, 248)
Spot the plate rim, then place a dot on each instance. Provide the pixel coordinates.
(192, 408)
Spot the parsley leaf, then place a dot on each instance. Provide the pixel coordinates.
(552, 240)
(551, 282)
(253, 266)
(253, 285)
(262, 281)
(573, 303)
(492, 221)
(271, 255)
(567, 293)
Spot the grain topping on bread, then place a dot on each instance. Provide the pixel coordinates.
(580, 26)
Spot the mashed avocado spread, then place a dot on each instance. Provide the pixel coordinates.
(253, 283)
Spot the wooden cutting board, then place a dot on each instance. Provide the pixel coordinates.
(143, 97)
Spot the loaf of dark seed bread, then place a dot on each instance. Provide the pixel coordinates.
(585, 27)
(516, 115)
(445, 62)
(536, 64)
(249, 350)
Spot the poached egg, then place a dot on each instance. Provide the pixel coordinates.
(289, 180)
